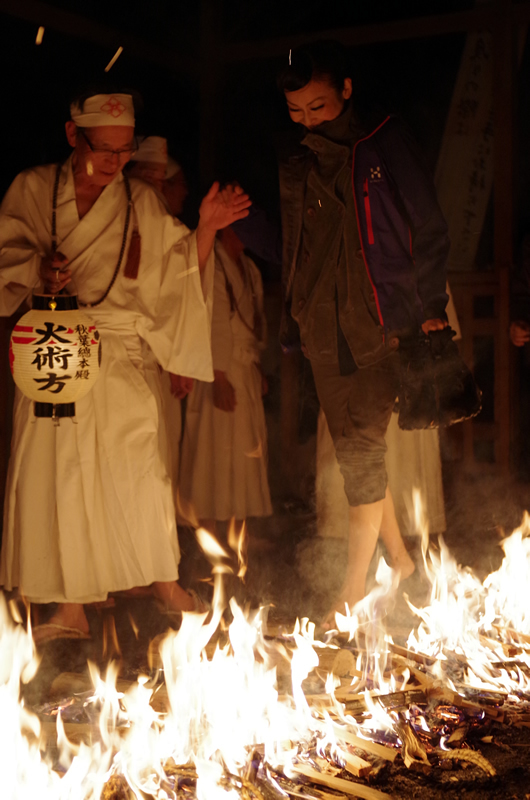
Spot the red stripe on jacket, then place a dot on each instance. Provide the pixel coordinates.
(369, 223)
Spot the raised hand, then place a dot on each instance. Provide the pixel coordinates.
(519, 333)
(220, 208)
(434, 325)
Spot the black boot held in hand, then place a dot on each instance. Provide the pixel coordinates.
(437, 388)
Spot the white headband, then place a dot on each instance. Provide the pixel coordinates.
(104, 109)
(152, 149)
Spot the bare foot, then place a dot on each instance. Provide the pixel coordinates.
(174, 597)
(405, 565)
(70, 615)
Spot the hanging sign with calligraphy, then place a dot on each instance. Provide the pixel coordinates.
(464, 173)
(54, 353)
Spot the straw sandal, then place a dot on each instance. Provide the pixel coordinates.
(51, 631)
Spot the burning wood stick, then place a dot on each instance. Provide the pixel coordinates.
(338, 661)
(412, 750)
(339, 784)
(342, 734)
(424, 679)
(314, 794)
(356, 765)
(355, 704)
(348, 694)
(509, 650)
(519, 637)
(419, 658)
(401, 699)
(443, 693)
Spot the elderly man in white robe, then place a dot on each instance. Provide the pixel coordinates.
(89, 506)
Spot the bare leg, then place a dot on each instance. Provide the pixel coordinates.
(70, 615)
(393, 541)
(365, 522)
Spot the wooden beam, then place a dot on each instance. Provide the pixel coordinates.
(74, 25)
(476, 19)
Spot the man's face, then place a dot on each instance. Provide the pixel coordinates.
(102, 152)
(317, 102)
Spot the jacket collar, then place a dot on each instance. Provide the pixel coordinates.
(342, 130)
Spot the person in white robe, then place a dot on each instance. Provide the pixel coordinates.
(223, 471)
(89, 507)
(175, 187)
(176, 389)
(151, 164)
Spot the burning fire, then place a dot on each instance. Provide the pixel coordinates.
(260, 716)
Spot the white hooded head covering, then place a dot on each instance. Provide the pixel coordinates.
(172, 167)
(152, 149)
(104, 109)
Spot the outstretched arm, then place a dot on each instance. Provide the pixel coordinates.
(217, 211)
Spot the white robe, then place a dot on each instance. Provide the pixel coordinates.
(223, 471)
(89, 506)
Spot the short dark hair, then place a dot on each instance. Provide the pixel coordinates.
(322, 59)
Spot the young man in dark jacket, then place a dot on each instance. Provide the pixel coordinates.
(364, 253)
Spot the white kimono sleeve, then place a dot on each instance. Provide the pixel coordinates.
(176, 318)
(20, 248)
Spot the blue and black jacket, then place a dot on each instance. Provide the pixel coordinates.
(403, 236)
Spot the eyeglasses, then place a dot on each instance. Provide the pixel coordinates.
(126, 152)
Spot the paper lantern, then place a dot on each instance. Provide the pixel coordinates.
(54, 355)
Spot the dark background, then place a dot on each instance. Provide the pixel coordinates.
(413, 77)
